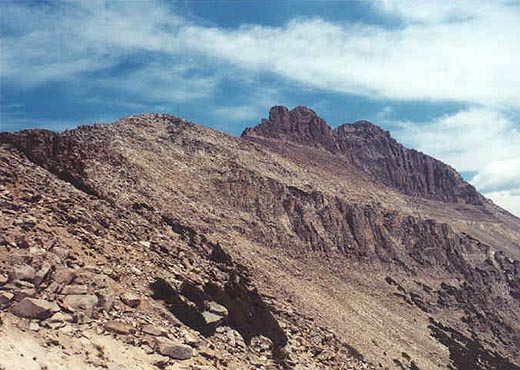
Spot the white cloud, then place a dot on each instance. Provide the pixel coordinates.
(498, 175)
(474, 59)
(435, 11)
(161, 82)
(507, 199)
(253, 106)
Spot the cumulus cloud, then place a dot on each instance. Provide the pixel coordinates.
(472, 59)
(507, 199)
(499, 175)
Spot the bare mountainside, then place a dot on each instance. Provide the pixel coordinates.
(153, 242)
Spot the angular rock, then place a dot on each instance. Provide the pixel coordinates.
(60, 317)
(119, 327)
(58, 320)
(217, 309)
(3, 279)
(211, 318)
(64, 276)
(74, 290)
(172, 349)
(25, 293)
(42, 273)
(130, 299)
(83, 303)
(5, 297)
(156, 331)
(22, 272)
(145, 243)
(61, 253)
(106, 299)
(33, 308)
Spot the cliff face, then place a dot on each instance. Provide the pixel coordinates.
(334, 243)
(373, 151)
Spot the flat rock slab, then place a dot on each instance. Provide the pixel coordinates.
(174, 350)
(74, 290)
(119, 327)
(33, 308)
(211, 318)
(156, 331)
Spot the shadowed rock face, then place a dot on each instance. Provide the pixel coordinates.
(306, 234)
(372, 150)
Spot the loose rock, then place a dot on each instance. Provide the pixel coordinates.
(119, 327)
(74, 290)
(217, 309)
(35, 308)
(22, 272)
(130, 299)
(154, 330)
(83, 303)
(174, 350)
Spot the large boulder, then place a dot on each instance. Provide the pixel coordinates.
(33, 308)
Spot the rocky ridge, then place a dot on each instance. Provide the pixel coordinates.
(372, 150)
(317, 246)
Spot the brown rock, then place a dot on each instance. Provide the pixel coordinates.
(130, 299)
(42, 273)
(34, 308)
(5, 297)
(64, 276)
(74, 290)
(25, 293)
(83, 303)
(154, 330)
(106, 299)
(22, 272)
(172, 349)
(61, 253)
(119, 327)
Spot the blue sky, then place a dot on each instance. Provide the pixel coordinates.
(443, 77)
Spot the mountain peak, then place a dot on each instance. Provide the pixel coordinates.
(300, 124)
(371, 149)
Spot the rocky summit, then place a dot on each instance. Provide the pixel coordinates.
(156, 243)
